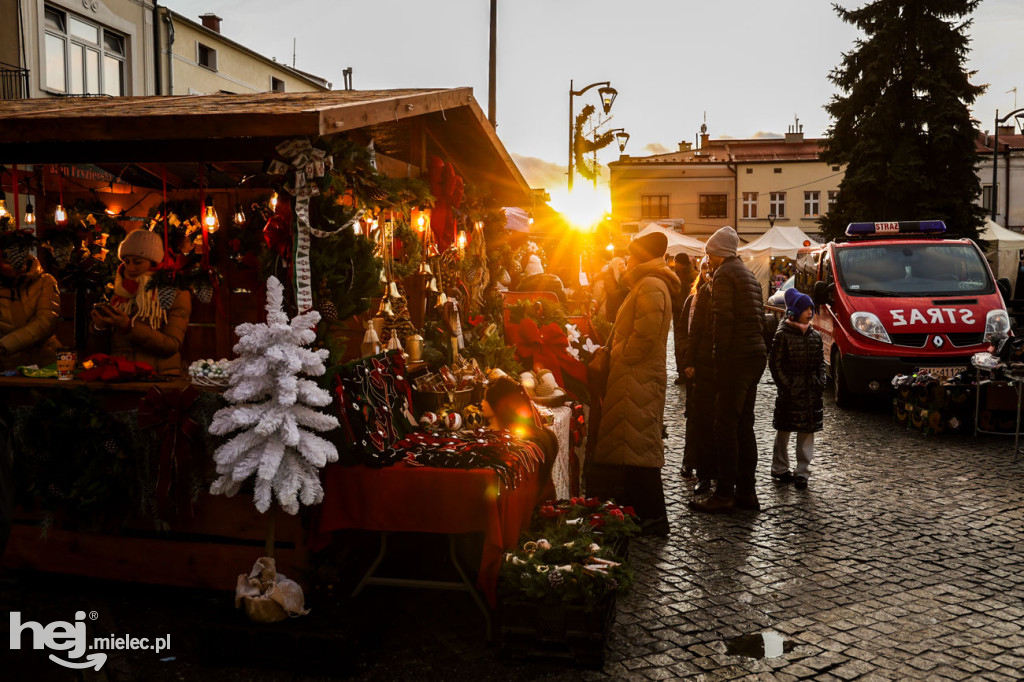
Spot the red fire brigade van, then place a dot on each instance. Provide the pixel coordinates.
(896, 297)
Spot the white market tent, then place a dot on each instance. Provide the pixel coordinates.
(779, 241)
(677, 243)
(1003, 250)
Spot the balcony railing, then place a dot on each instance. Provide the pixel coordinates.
(13, 82)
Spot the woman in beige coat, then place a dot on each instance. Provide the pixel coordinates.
(29, 307)
(629, 454)
(140, 326)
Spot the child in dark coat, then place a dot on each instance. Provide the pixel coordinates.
(797, 364)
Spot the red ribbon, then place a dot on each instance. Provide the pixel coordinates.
(546, 347)
(168, 411)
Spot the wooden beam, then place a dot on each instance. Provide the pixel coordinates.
(209, 126)
(338, 119)
(139, 151)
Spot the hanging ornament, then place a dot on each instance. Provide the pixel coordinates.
(385, 309)
(425, 269)
(432, 286)
(432, 251)
(393, 289)
(441, 300)
(371, 342)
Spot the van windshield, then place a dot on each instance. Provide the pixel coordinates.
(934, 269)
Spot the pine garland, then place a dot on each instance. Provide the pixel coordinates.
(583, 146)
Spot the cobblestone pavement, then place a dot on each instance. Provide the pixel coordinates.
(904, 559)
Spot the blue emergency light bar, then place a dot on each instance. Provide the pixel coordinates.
(895, 228)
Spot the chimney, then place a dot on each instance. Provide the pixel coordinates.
(685, 146)
(1006, 130)
(704, 137)
(211, 21)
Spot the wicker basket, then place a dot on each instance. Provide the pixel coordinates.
(432, 401)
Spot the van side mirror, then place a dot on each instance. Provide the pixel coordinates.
(820, 293)
(1004, 287)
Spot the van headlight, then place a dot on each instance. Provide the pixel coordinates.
(870, 326)
(996, 322)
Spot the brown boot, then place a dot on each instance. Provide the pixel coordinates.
(714, 504)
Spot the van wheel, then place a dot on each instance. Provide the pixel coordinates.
(840, 391)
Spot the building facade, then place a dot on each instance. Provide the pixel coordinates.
(1009, 177)
(749, 184)
(78, 48)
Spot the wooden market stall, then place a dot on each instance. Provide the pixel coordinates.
(136, 157)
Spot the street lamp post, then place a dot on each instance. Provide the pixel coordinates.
(621, 139)
(995, 157)
(608, 94)
(771, 220)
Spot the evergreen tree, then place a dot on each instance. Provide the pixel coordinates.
(273, 415)
(902, 123)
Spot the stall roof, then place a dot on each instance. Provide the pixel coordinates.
(242, 130)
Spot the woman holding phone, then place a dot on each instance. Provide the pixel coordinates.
(135, 324)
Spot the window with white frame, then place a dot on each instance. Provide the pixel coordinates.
(812, 203)
(777, 204)
(833, 196)
(986, 197)
(82, 58)
(206, 56)
(653, 206)
(750, 204)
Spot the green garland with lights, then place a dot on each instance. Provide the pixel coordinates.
(582, 146)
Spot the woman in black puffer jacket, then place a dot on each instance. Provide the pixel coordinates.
(797, 364)
(700, 385)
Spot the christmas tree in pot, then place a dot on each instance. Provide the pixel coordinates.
(272, 415)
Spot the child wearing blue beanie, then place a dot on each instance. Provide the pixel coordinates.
(797, 364)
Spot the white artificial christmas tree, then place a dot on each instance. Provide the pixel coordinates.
(271, 411)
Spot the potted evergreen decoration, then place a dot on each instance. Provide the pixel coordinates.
(557, 591)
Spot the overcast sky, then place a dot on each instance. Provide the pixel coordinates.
(750, 65)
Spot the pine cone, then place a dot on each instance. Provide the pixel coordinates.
(17, 256)
(165, 295)
(328, 311)
(203, 291)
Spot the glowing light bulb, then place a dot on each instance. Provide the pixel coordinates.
(210, 218)
(30, 214)
(3, 207)
(239, 215)
(461, 239)
(421, 223)
(273, 200)
(60, 216)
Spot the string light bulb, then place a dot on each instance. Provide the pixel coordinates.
(461, 240)
(3, 204)
(273, 200)
(60, 216)
(239, 215)
(210, 219)
(30, 214)
(421, 223)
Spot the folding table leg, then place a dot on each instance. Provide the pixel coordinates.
(376, 563)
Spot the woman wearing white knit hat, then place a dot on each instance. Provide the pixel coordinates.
(137, 323)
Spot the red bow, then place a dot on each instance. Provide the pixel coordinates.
(114, 368)
(278, 231)
(169, 412)
(546, 347)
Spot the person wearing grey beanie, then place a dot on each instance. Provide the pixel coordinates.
(739, 355)
(723, 243)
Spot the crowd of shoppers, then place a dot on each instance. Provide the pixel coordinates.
(722, 347)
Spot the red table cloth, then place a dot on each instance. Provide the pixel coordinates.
(416, 499)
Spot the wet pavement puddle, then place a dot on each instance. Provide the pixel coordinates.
(767, 644)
